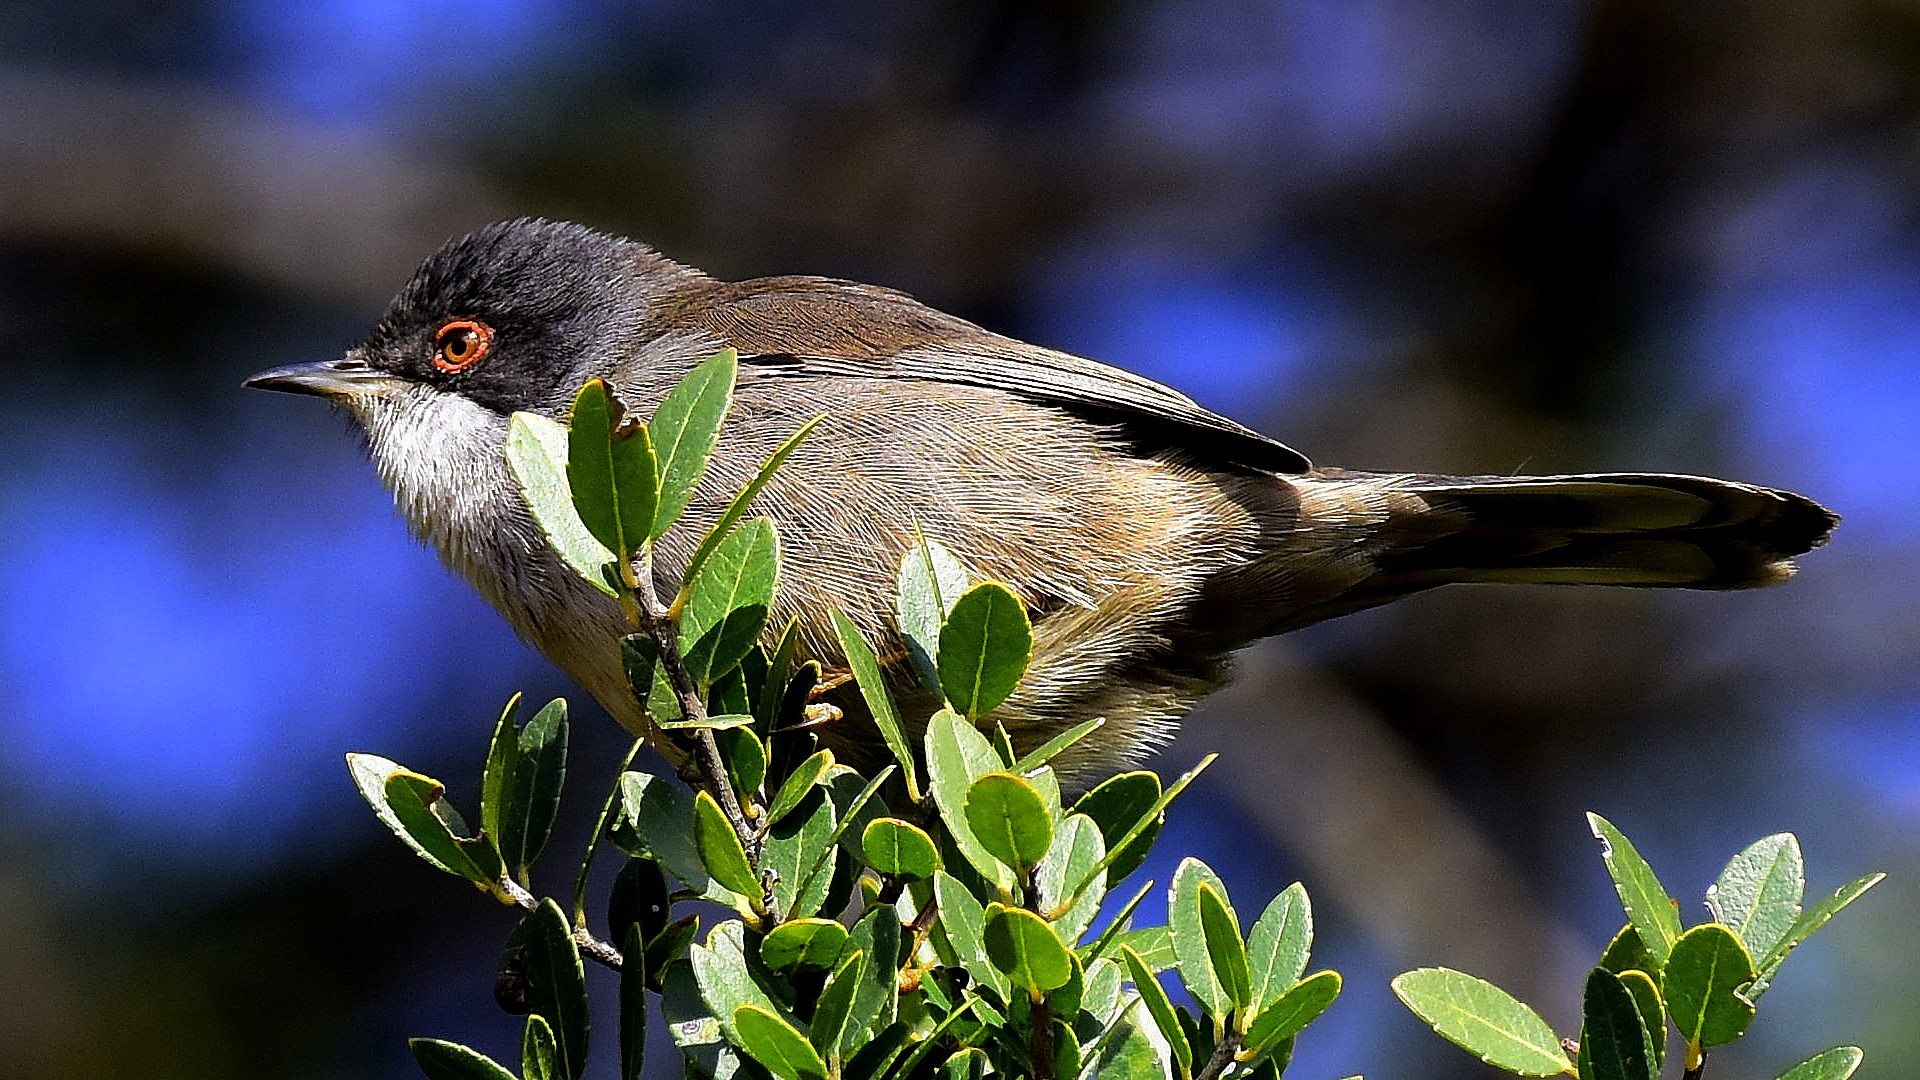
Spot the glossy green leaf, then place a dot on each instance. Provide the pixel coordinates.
(720, 850)
(1024, 948)
(742, 500)
(1154, 997)
(540, 772)
(803, 943)
(633, 1003)
(778, 1045)
(1653, 1011)
(771, 693)
(1076, 849)
(539, 1052)
(1808, 924)
(957, 754)
(1052, 748)
(1626, 952)
(985, 646)
(717, 722)
(1116, 849)
(744, 754)
(1190, 936)
(669, 946)
(497, 779)
(640, 899)
(1278, 944)
(1483, 1020)
(876, 997)
(370, 773)
(930, 580)
(1647, 903)
(1758, 895)
(793, 846)
(727, 604)
(899, 849)
(1107, 943)
(963, 921)
(417, 803)
(725, 979)
(1117, 805)
(685, 428)
(692, 1025)
(835, 1004)
(557, 983)
(613, 475)
(798, 783)
(640, 656)
(660, 812)
(1702, 984)
(537, 454)
(969, 1064)
(873, 690)
(1613, 1040)
(1290, 1013)
(1009, 818)
(1127, 1055)
(442, 1060)
(1838, 1063)
(1226, 951)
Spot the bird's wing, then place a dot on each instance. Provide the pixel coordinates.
(817, 326)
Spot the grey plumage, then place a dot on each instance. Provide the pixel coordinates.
(1148, 537)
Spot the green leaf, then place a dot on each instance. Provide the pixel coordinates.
(1226, 952)
(876, 998)
(692, 1024)
(640, 899)
(777, 1044)
(899, 849)
(1128, 1055)
(1289, 1014)
(957, 754)
(540, 771)
(1613, 1040)
(771, 693)
(1026, 949)
(725, 978)
(1154, 997)
(873, 690)
(660, 812)
(1758, 895)
(1277, 945)
(1835, 1064)
(1052, 748)
(1704, 976)
(1076, 848)
(441, 1060)
(370, 773)
(416, 803)
(1148, 821)
(537, 454)
(971, 1063)
(539, 1053)
(1809, 924)
(1108, 941)
(721, 852)
(1117, 805)
(744, 755)
(800, 841)
(497, 779)
(803, 779)
(804, 943)
(1653, 1011)
(612, 474)
(1646, 901)
(1010, 819)
(1626, 952)
(963, 920)
(931, 579)
(633, 1004)
(640, 656)
(848, 811)
(685, 428)
(727, 604)
(985, 646)
(1190, 936)
(835, 1004)
(737, 508)
(668, 946)
(557, 983)
(1483, 1020)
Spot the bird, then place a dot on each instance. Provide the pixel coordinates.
(1148, 537)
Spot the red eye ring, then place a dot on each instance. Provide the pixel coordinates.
(460, 344)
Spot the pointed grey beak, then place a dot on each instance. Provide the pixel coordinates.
(345, 377)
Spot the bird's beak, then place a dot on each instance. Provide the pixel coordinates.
(343, 378)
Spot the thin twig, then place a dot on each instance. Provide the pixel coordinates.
(1222, 1056)
(590, 947)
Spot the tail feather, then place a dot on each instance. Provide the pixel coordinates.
(1637, 529)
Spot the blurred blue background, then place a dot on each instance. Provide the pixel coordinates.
(1492, 236)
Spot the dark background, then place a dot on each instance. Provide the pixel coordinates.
(1492, 236)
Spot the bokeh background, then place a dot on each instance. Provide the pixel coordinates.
(1477, 235)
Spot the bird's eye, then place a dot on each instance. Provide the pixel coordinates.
(460, 344)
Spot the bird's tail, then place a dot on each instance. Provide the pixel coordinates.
(1637, 529)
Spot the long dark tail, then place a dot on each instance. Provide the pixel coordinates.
(1636, 529)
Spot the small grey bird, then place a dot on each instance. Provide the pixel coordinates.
(1148, 537)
